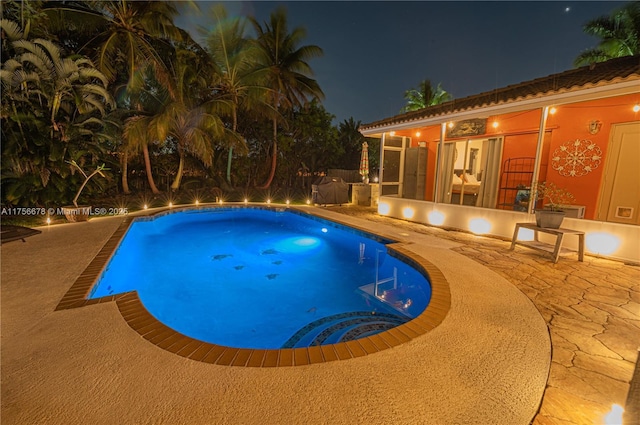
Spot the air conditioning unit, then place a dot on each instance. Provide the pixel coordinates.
(572, 211)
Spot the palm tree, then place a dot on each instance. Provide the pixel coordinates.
(283, 65)
(424, 96)
(234, 60)
(52, 110)
(189, 118)
(619, 35)
(129, 36)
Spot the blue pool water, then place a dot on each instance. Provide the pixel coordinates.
(258, 278)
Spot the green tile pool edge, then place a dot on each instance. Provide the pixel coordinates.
(148, 327)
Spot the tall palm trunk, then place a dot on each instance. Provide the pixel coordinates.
(125, 171)
(147, 166)
(274, 157)
(176, 182)
(234, 116)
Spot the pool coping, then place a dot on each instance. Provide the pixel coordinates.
(154, 331)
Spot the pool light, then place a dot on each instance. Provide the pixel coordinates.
(324, 230)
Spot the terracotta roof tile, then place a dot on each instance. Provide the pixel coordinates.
(584, 77)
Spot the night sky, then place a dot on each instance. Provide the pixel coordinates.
(375, 50)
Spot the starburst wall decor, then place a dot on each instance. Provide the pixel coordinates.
(577, 158)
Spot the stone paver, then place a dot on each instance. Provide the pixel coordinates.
(592, 310)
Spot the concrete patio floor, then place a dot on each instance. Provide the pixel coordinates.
(488, 362)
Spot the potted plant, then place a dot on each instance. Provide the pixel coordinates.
(77, 213)
(554, 197)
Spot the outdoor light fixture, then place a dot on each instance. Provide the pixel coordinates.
(408, 212)
(552, 110)
(308, 202)
(220, 201)
(197, 202)
(145, 206)
(48, 220)
(450, 125)
(393, 133)
(615, 415)
(170, 204)
(268, 201)
(436, 218)
(636, 108)
(495, 124)
(417, 134)
(246, 200)
(384, 208)
(594, 126)
(602, 243)
(375, 179)
(287, 202)
(479, 226)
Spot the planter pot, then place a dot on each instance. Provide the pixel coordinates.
(76, 214)
(549, 219)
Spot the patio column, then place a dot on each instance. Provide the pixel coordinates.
(536, 166)
(381, 166)
(443, 129)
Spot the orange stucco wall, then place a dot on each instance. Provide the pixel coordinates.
(572, 123)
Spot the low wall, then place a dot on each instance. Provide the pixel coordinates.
(609, 240)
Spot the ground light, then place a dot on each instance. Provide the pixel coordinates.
(384, 208)
(48, 220)
(246, 200)
(197, 202)
(170, 204)
(145, 206)
(308, 202)
(268, 201)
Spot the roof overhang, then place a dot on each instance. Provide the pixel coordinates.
(586, 93)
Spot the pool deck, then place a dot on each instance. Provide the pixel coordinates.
(490, 361)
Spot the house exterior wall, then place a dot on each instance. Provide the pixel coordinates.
(519, 131)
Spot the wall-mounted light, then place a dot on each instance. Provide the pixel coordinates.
(479, 226)
(392, 133)
(384, 208)
(436, 218)
(417, 134)
(594, 126)
(450, 125)
(553, 110)
(636, 108)
(495, 124)
(408, 212)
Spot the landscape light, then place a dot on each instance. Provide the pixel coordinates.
(246, 200)
(170, 204)
(308, 202)
(145, 206)
(48, 220)
(268, 201)
(287, 202)
(197, 202)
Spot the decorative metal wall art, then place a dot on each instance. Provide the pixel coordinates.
(472, 127)
(577, 158)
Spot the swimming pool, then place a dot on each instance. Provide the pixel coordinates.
(264, 279)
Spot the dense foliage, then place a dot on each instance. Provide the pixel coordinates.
(116, 82)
